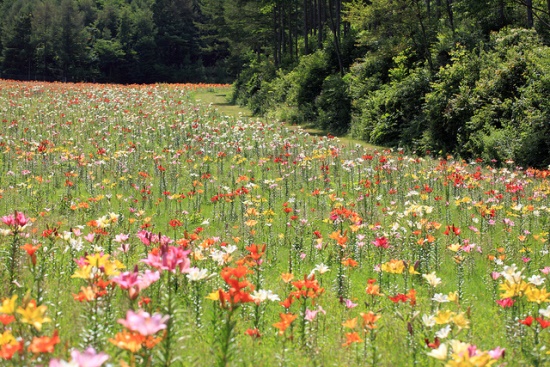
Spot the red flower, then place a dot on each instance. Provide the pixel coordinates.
(527, 321)
(433, 345)
(543, 323)
(506, 302)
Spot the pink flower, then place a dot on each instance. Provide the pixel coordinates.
(15, 220)
(121, 237)
(20, 219)
(143, 323)
(506, 302)
(381, 242)
(89, 358)
(8, 220)
(472, 350)
(350, 304)
(497, 353)
(495, 275)
(310, 315)
(169, 258)
(89, 237)
(546, 270)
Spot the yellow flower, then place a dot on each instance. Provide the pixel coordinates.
(444, 317)
(8, 305)
(214, 296)
(534, 294)
(460, 321)
(84, 272)
(33, 315)
(453, 296)
(7, 338)
(512, 290)
(454, 247)
(393, 266)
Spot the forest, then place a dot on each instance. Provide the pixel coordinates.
(464, 77)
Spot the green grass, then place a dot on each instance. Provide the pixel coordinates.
(73, 157)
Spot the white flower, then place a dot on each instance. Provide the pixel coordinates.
(428, 320)
(264, 295)
(444, 332)
(439, 353)
(440, 297)
(76, 243)
(511, 274)
(320, 268)
(545, 312)
(195, 274)
(230, 249)
(536, 280)
(432, 279)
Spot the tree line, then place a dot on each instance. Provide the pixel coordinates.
(465, 77)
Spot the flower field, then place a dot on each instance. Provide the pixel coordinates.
(139, 228)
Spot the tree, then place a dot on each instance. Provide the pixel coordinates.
(17, 51)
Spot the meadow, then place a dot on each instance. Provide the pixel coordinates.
(141, 228)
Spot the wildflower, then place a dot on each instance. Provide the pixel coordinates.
(543, 323)
(286, 320)
(393, 266)
(287, 277)
(8, 305)
(369, 319)
(381, 242)
(497, 353)
(44, 344)
(528, 321)
(350, 324)
(34, 315)
(143, 323)
(444, 317)
(195, 274)
(440, 298)
(506, 302)
(352, 338)
(439, 352)
(264, 295)
(7, 351)
(534, 294)
(253, 333)
(428, 320)
(350, 304)
(444, 332)
(169, 258)
(432, 279)
(88, 358)
(545, 312)
(127, 340)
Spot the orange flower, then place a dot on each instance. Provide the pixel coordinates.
(44, 344)
(352, 338)
(6, 319)
(369, 319)
(350, 324)
(287, 277)
(350, 263)
(8, 350)
(128, 340)
(373, 289)
(286, 320)
(341, 239)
